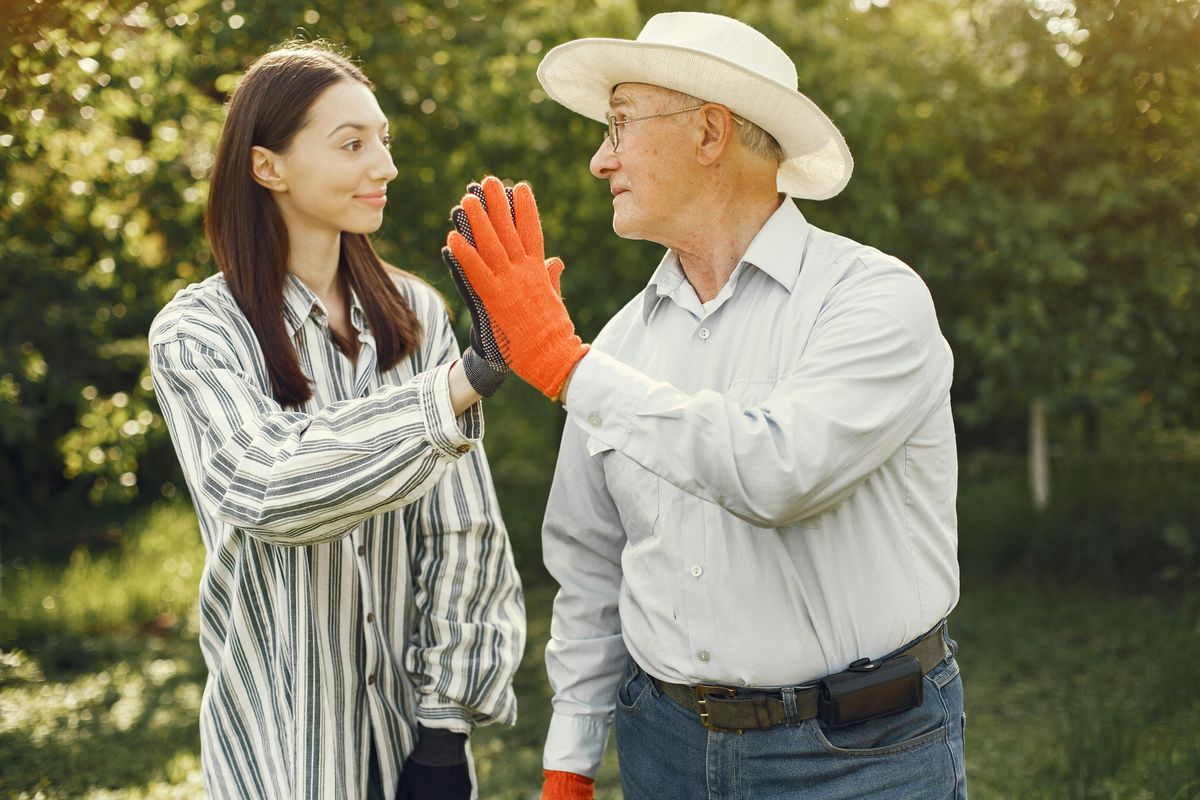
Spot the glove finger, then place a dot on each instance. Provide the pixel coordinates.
(487, 243)
(554, 268)
(529, 226)
(482, 337)
(474, 188)
(502, 222)
(477, 271)
(459, 218)
(460, 280)
(508, 192)
(455, 270)
(462, 224)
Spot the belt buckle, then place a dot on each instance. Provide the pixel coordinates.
(703, 692)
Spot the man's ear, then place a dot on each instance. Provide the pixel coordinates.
(266, 169)
(715, 135)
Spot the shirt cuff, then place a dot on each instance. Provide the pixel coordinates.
(445, 717)
(450, 435)
(604, 396)
(575, 743)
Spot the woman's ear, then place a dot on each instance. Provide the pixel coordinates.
(266, 169)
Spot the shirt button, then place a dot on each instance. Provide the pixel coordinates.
(371, 680)
(704, 334)
(362, 550)
(464, 448)
(370, 616)
(703, 656)
(697, 570)
(594, 420)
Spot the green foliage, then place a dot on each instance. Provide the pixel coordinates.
(106, 145)
(147, 583)
(1123, 520)
(1034, 161)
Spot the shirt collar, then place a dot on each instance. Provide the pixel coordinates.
(300, 304)
(778, 247)
(667, 277)
(777, 250)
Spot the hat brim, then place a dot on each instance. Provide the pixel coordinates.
(581, 75)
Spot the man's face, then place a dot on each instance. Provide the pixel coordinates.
(650, 173)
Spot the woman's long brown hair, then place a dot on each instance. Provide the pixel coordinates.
(246, 230)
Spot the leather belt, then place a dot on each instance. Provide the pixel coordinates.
(729, 709)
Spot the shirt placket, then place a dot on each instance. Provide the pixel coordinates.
(702, 521)
(355, 379)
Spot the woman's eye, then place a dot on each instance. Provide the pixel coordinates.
(354, 145)
(387, 140)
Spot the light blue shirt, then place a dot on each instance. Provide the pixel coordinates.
(756, 493)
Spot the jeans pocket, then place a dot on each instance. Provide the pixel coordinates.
(918, 727)
(633, 690)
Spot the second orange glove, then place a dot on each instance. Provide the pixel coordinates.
(508, 271)
(567, 786)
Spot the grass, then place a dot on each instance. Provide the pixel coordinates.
(146, 583)
(1077, 685)
(1077, 691)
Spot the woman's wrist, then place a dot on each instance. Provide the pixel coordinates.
(462, 394)
(483, 377)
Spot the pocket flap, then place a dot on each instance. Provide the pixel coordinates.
(595, 446)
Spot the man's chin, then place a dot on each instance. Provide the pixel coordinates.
(625, 229)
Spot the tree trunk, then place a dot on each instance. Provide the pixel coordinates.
(1039, 456)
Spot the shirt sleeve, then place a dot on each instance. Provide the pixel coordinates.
(470, 625)
(291, 478)
(874, 368)
(582, 542)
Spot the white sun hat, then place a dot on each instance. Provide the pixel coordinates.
(719, 60)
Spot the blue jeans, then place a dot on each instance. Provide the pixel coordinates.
(665, 752)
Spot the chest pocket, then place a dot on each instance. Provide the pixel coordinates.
(751, 391)
(633, 489)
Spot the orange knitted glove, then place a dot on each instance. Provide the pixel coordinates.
(567, 786)
(507, 268)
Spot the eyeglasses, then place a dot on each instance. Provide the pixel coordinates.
(614, 124)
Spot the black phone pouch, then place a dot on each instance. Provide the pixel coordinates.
(869, 690)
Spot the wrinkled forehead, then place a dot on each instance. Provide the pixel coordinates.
(641, 97)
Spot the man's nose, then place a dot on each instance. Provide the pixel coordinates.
(604, 160)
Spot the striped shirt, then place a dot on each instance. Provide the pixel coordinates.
(358, 575)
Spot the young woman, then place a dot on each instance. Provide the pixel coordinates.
(360, 613)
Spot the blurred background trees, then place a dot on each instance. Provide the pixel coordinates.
(1036, 162)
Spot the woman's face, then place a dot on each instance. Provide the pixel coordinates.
(334, 176)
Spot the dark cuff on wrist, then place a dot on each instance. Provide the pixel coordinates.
(439, 748)
(483, 377)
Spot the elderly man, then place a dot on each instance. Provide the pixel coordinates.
(753, 514)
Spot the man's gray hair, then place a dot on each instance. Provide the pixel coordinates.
(752, 137)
